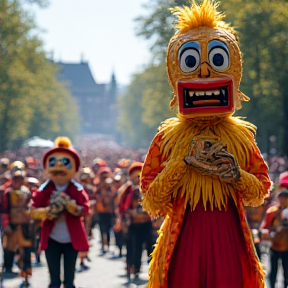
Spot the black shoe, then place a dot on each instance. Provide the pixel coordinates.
(129, 278)
(88, 259)
(38, 258)
(83, 266)
(24, 284)
(10, 272)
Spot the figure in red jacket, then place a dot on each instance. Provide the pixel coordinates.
(64, 202)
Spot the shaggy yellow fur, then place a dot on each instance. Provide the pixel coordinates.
(204, 15)
(180, 180)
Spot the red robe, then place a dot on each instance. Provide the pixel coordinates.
(198, 247)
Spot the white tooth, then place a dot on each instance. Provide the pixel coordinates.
(208, 93)
(223, 91)
(200, 93)
(191, 93)
(216, 92)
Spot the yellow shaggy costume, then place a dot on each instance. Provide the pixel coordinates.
(204, 165)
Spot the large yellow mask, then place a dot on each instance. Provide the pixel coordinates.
(204, 63)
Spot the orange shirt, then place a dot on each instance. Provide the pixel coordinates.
(273, 223)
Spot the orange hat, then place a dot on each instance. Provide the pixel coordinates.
(63, 144)
(99, 162)
(124, 163)
(135, 165)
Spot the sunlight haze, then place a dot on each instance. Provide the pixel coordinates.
(99, 32)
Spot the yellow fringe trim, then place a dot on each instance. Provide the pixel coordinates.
(178, 179)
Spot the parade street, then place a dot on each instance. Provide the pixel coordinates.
(104, 271)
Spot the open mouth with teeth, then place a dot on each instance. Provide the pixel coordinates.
(212, 96)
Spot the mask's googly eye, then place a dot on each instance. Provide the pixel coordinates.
(219, 59)
(189, 60)
(66, 161)
(52, 161)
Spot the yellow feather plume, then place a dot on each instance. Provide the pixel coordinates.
(195, 16)
(63, 142)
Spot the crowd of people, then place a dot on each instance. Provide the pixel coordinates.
(113, 206)
(110, 182)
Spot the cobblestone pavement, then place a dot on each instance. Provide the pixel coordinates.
(104, 271)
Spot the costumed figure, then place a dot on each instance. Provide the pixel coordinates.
(16, 224)
(61, 202)
(136, 222)
(204, 166)
(105, 206)
(274, 229)
(124, 199)
(118, 180)
(86, 179)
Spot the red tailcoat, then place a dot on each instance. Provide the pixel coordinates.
(41, 198)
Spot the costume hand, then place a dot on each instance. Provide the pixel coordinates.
(204, 156)
(206, 168)
(212, 158)
(228, 168)
(73, 208)
(57, 205)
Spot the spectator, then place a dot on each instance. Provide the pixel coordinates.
(137, 221)
(274, 228)
(105, 206)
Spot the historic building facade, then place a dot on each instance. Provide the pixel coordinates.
(96, 102)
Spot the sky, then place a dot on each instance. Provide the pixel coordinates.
(100, 32)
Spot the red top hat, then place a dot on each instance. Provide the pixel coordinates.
(63, 144)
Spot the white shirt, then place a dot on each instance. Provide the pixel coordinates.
(60, 231)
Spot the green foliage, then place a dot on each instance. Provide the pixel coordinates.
(32, 102)
(263, 31)
(157, 25)
(40, 3)
(144, 106)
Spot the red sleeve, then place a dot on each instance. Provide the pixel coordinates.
(40, 199)
(5, 206)
(153, 163)
(267, 222)
(83, 200)
(259, 168)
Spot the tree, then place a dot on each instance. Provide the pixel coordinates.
(263, 30)
(31, 99)
(157, 25)
(144, 105)
(40, 3)
(263, 34)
